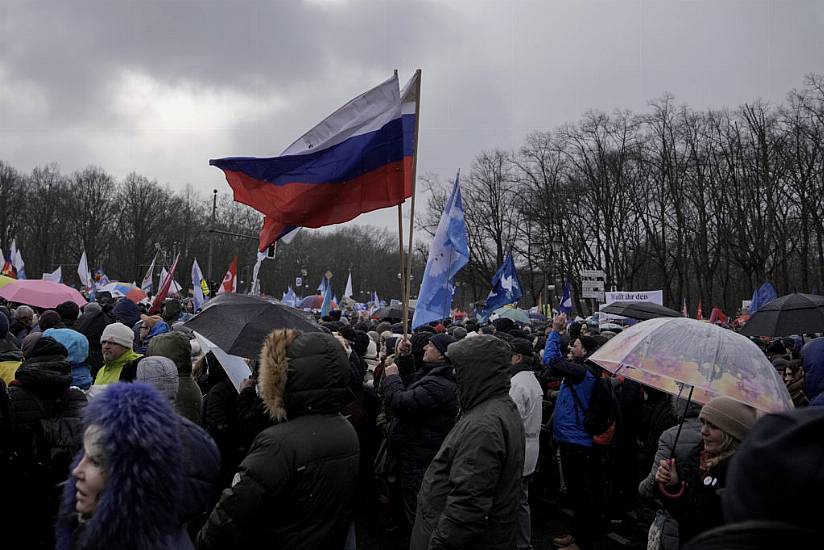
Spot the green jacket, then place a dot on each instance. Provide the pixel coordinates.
(109, 373)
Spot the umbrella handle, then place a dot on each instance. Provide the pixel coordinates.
(664, 491)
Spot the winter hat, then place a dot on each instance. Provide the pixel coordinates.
(50, 319)
(729, 415)
(361, 342)
(778, 471)
(92, 307)
(125, 311)
(160, 372)
(503, 324)
(777, 347)
(522, 346)
(459, 333)
(590, 344)
(4, 326)
(69, 311)
(517, 333)
(118, 333)
(347, 332)
(419, 341)
(441, 342)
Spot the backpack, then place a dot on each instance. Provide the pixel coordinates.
(602, 411)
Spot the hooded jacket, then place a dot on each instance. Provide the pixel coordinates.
(568, 419)
(78, 348)
(47, 431)
(527, 395)
(177, 347)
(296, 486)
(10, 357)
(470, 493)
(141, 504)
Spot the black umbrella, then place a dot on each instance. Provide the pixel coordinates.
(791, 314)
(640, 310)
(395, 313)
(238, 324)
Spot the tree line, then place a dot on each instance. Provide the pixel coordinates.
(121, 224)
(703, 204)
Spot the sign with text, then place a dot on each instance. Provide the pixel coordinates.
(654, 296)
(593, 274)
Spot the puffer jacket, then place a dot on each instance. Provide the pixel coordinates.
(47, 431)
(295, 488)
(422, 413)
(470, 494)
(177, 347)
(687, 459)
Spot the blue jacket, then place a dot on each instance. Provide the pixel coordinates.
(568, 419)
(812, 358)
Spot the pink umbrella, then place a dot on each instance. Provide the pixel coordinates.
(40, 293)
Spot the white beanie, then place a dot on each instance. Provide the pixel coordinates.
(118, 333)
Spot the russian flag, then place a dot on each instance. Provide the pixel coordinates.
(357, 160)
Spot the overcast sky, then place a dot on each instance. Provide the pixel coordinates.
(160, 87)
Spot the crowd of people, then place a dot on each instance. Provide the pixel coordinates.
(117, 431)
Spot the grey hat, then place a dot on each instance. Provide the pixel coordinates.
(160, 372)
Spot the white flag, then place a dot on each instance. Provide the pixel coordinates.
(146, 285)
(348, 292)
(174, 288)
(255, 281)
(56, 275)
(84, 273)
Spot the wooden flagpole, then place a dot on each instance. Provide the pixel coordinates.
(407, 275)
(400, 254)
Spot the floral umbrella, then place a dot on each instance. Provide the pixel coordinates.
(675, 353)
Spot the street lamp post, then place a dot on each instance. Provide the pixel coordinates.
(556, 246)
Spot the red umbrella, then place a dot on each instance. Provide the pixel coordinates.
(41, 293)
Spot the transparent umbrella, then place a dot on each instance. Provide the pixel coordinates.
(677, 354)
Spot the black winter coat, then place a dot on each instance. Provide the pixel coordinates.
(422, 413)
(296, 486)
(41, 390)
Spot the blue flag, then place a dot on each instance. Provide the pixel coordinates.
(566, 301)
(506, 288)
(327, 298)
(447, 255)
(761, 296)
(290, 298)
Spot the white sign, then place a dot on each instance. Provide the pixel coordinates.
(593, 274)
(590, 285)
(654, 296)
(298, 282)
(597, 295)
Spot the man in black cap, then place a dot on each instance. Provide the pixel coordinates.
(423, 412)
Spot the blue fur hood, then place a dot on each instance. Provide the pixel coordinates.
(140, 506)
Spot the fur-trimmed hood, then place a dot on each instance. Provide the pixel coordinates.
(302, 373)
(140, 505)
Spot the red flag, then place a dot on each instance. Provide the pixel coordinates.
(699, 316)
(718, 316)
(229, 283)
(164, 290)
(8, 270)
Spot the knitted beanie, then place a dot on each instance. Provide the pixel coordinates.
(729, 415)
(118, 333)
(441, 342)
